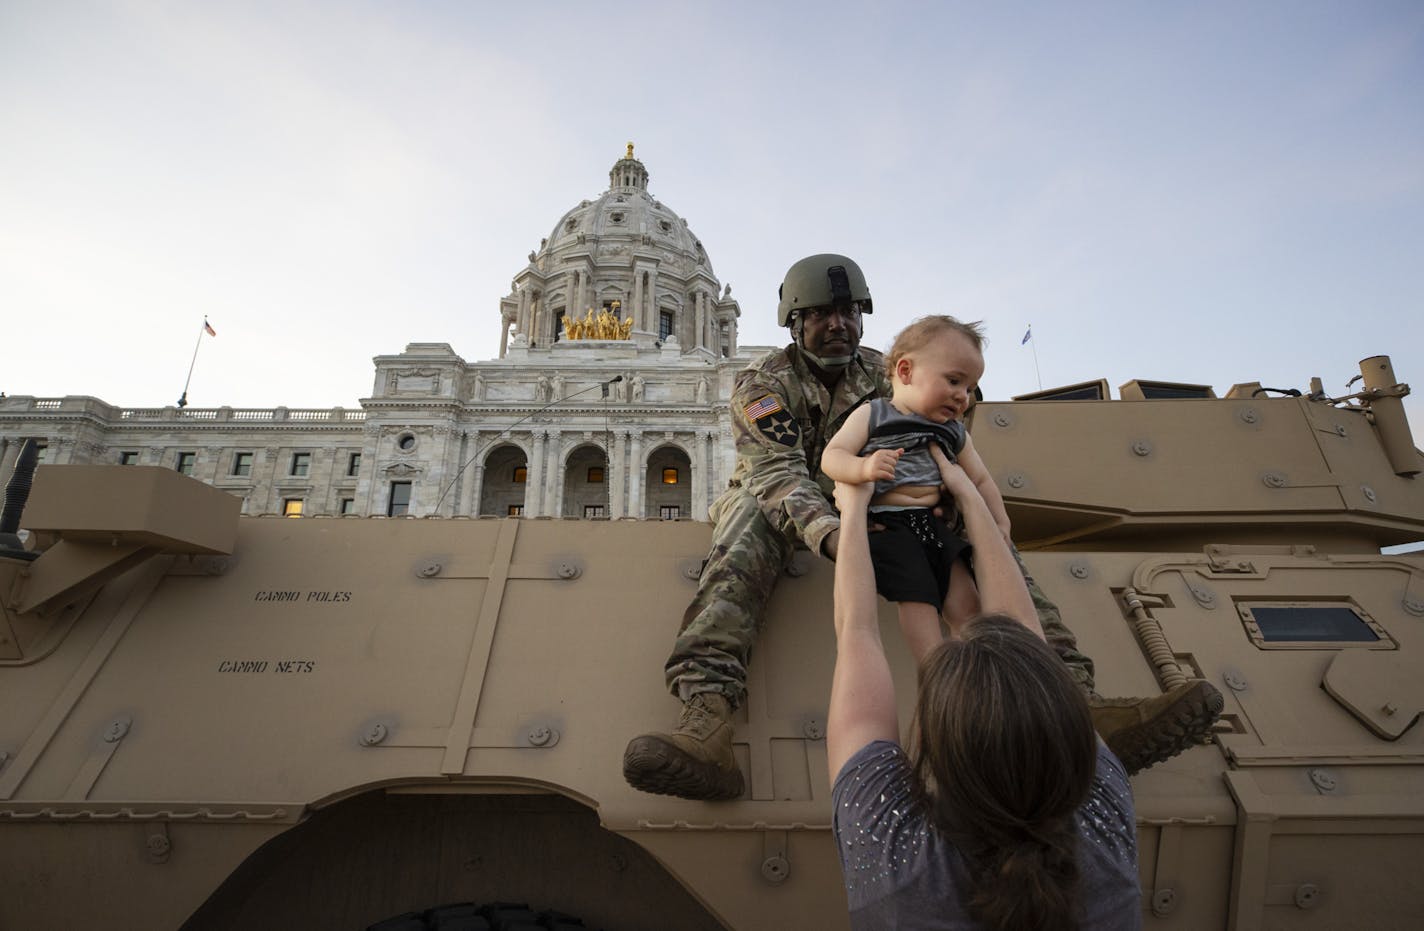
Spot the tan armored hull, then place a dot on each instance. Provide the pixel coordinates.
(323, 723)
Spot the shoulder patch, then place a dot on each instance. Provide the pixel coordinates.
(779, 427)
(765, 407)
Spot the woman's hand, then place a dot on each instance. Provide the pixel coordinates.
(955, 480)
(853, 499)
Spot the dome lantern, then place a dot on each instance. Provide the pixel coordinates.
(628, 173)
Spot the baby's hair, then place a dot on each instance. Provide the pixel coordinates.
(919, 334)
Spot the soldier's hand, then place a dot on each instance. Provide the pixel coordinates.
(879, 466)
(831, 544)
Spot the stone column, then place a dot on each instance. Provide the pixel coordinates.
(477, 482)
(614, 475)
(560, 467)
(653, 321)
(697, 503)
(636, 475)
(570, 298)
(457, 493)
(522, 324)
(534, 479)
(639, 315)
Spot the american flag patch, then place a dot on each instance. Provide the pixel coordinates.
(759, 409)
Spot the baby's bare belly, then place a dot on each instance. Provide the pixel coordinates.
(909, 496)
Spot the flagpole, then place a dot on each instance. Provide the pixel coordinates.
(183, 401)
(1034, 346)
(1028, 338)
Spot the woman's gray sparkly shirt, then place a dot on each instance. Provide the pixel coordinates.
(900, 873)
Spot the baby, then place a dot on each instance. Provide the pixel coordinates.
(905, 446)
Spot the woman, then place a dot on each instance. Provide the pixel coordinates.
(1009, 812)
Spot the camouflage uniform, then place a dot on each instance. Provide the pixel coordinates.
(783, 416)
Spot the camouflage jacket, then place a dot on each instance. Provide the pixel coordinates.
(782, 418)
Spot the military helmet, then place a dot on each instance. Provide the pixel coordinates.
(818, 280)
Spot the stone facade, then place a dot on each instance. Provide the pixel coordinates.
(556, 426)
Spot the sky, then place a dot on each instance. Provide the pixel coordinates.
(1209, 193)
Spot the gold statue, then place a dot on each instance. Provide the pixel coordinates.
(630, 151)
(601, 325)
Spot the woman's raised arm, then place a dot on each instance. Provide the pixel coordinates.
(862, 691)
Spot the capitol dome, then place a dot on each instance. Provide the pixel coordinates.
(629, 253)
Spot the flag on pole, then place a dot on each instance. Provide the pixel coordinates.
(1027, 334)
(209, 327)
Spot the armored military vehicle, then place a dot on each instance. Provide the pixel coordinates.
(220, 722)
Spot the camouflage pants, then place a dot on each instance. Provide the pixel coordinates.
(1055, 632)
(747, 557)
(714, 644)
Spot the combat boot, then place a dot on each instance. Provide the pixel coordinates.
(1144, 731)
(695, 761)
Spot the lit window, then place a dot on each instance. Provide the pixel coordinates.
(292, 507)
(353, 464)
(516, 510)
(595, 474)
(400, 499)
(348, 506)
(669, 512)
(592, 510)
(185, 462)
(521, 474)
(301, 463)
(128, 458)
(664, 324)
(669, 476)
(242, 464)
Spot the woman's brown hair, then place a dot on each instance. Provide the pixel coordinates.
(1004, 753)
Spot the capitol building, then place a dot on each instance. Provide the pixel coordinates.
(609, 397)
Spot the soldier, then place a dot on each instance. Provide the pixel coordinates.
(786, 406)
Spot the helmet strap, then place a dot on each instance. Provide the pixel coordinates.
(829, 363)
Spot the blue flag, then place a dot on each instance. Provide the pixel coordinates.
(1027, 333)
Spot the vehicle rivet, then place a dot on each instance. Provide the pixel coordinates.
(567, 570)
(813, 729)
(775, 870)
(1249, 415)
(1274, 480)
(374, 735)
(1142, 448)
(1340, 430)
(1323, 780)
(1163, 901)
(1078, 570)
(540, 736)
(692, 569)
(116, 730)
(1002, 420)
(1390, 708)
(1306, 895)
(1204, 597)
(1016, 480)
(158, 847)
(429, 570)
(1368, 492)
(1414, 606)
(1234, 682)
